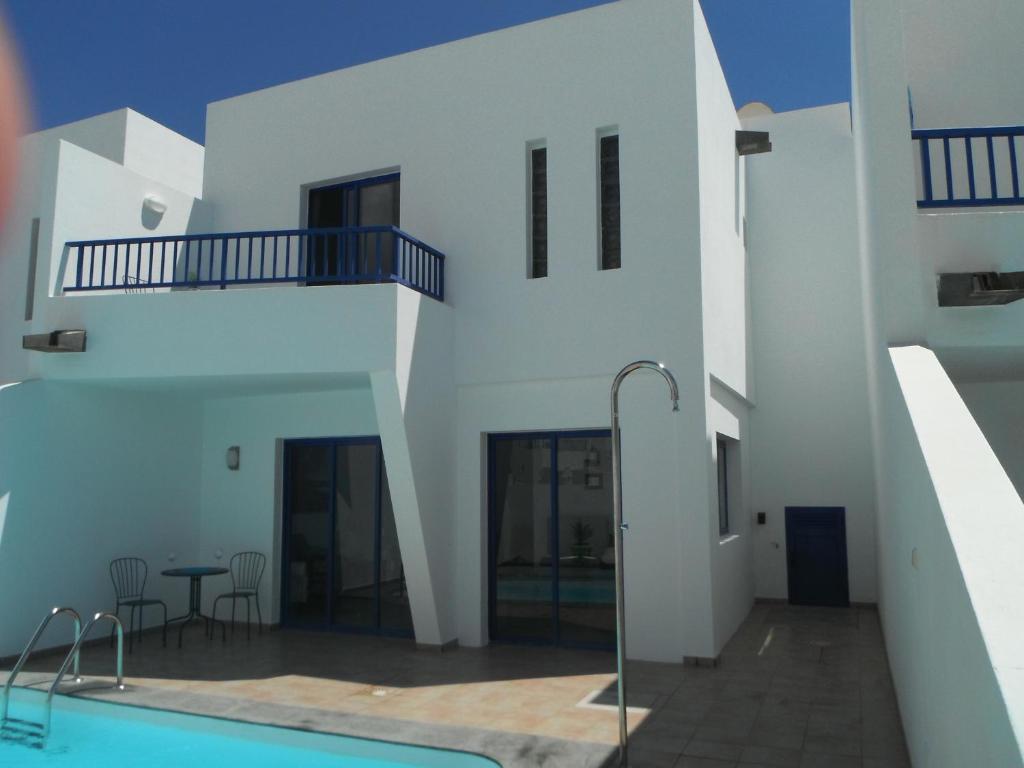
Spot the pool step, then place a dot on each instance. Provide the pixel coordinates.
(22, 732)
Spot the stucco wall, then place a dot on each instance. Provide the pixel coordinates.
(86, 475)
(811, 429)
(951, 571)
(463, 160)
(960, 62)
(240, 510)
(997, 407)
(667, 572)
(725, 325)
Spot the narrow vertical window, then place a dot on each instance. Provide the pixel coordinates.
(723, 487)
(33, 260)
(539, 212)
(611, 243)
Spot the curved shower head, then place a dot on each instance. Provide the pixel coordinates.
(653, 366)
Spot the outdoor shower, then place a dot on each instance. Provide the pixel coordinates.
(619, 526)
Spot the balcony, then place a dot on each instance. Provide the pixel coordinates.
(968, 167)
(350, 255)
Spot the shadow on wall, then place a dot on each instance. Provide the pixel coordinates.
(88, 474)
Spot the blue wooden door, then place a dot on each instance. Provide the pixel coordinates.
(816, 548)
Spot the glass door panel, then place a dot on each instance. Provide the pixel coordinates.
(342, 561)
(307, 532)
(395, 614)
(522, 582)
(326, 208)
(378, 206)
(354, 590)
(586, 555)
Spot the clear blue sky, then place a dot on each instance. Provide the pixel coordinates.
(169, 59)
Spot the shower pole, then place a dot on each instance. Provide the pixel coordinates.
(620, 527)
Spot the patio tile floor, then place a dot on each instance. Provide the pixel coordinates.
(797, 687)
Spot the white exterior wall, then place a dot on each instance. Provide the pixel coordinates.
(478, 103)
(156, 152)
(87, 475)
(811, 427)
(934, 469)
(725, 325)
(998, 407)
(951, 581)
(960, 62)
(504, 353)
(241, 510)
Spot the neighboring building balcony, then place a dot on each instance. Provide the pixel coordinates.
(350, 255)
(969, 167)
(975, 174)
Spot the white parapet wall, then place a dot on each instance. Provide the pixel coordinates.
(950, 537)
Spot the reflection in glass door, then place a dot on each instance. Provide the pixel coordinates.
(372, 202)
(308, 501)
(342, 563)
(551, 493)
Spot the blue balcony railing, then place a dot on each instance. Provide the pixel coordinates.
(969, 167)
(301, 256)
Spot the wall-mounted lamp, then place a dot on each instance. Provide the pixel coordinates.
(55, 341)
(752, 142)
(234, 457)
(154, 204)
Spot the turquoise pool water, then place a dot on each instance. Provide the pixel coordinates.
(569, 591)
(91, 734)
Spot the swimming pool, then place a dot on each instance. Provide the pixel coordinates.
(588, 591)
(90, 734)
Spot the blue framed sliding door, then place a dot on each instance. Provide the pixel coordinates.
(342, 566)
(367, 202)
(551, 568)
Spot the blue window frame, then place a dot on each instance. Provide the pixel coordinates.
(565, 578)
(319, 500)
(369, 202)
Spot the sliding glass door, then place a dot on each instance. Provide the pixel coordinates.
(342, 564)
(372, 202)
(551, 561)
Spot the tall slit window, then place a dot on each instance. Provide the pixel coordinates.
(538, 212)
(611, 243)
(33, 262)
(723, 487)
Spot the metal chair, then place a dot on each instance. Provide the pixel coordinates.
(129, 576)
(246, 573)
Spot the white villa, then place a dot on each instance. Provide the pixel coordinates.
(397, 294)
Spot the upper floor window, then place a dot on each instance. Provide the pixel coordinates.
(366, 202)
(538, 241)
(611, 242)
(359, 203)
(33, 262)
(723, 487)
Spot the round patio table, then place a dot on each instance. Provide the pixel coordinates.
(195, 575)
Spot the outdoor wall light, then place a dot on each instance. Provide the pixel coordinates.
(154, 204)
(753, 142)
(234, 457)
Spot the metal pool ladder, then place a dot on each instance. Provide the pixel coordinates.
(30, 732)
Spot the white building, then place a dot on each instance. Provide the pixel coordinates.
(591, 208)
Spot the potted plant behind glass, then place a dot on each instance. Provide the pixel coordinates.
(581, 533)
